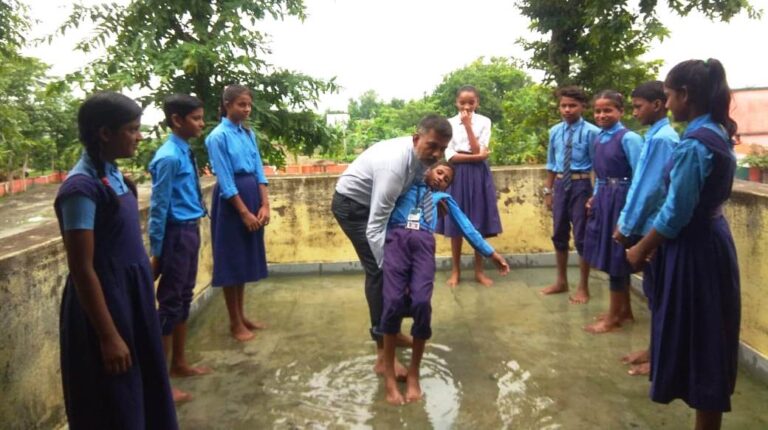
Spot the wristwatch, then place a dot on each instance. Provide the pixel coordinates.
(546, 191)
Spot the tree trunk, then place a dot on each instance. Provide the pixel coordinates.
(24, 173)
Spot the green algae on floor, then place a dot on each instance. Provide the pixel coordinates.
(500, 357)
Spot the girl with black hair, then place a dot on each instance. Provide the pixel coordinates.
(240, 208)
(112, 364)
(695, 307)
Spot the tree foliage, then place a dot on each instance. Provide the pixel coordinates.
(160, 47)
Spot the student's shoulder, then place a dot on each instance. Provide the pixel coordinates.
(632, 136)
(483, 120)
(83, 184)
(667, 132)
(588, 126)
(217, 133)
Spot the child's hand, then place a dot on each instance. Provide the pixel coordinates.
(263, 215)
(589, 206)
(620, 238)
(548, 201)
(637, 258)
(251, 222)
(500, 263)
(154, 262)
(466, 118)
(115, 354)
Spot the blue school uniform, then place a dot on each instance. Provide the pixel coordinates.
(616, 153)
(409, 257)
(141, 397)
(176, 205)
(568, 202)
(238, 255)
(696, 308)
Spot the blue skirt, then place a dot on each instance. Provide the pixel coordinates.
(695, 317)
(475, 193)
(238, 255)
(600, 250)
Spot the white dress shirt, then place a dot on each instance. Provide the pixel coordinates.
(481, 126)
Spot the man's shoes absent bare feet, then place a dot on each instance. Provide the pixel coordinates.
(251, 325)
(393, 394)
(180, 396)
(483, 280)
(403, 341)
(187, 371)
(603, 326)
(413, 390)
(641, 369)
(241, 333)
(637, 357)
(453, 279)
(554, 289)
(579, 298)
(622, 319)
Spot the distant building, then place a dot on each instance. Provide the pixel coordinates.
(750, 111)
(340, 119)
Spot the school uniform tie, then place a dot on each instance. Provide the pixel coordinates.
(197, 182)
(567, 160)
(428, 207)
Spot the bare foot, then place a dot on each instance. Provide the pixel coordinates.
(601, 317)
(241, 334)
(180, 396)
(401, 373)
(555, 288)
(641, 369)
(622, 318)
(250, 325)
(603, 326)
(413, 390)
(581, 297)
(393, 394)
(185, 370)
(453, 280)
(404, 341)
(637, 357)
(483, 280)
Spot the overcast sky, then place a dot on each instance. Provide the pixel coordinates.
(402, 48)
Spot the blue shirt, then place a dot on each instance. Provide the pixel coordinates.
(645, 195)
(692, 165)
(412, 199)
(631, 144)
(584, 134)
(79, 212)
(233, 150)
(175, 193)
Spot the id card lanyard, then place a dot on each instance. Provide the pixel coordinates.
(414, 216)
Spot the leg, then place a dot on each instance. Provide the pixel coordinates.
(581, 192)
(390, 383)
(236, 326)
(179, 365)
(708, 420)
(250, 325)
(612, 320)
(456, 243)
(178, 395)
(413, 390)
(561, 233)
(582, 291)
(561, 283)
(479, 271)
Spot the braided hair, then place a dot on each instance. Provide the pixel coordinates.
(104, 109)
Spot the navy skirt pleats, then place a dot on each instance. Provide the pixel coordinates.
(600, 250)
(475, 193)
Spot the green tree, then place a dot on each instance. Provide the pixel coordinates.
(522, 135)
(198, 47)
(493, 79)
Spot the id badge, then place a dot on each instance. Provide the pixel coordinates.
(413, 219)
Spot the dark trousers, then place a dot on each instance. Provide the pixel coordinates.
(178, 273)
(353, 220)
(569, 207)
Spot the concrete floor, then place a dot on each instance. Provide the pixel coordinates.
(500, 357)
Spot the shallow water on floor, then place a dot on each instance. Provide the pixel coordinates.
(500, 357)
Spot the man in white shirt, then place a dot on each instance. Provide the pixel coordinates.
(366, 194)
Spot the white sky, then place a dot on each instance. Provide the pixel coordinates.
(402, 48)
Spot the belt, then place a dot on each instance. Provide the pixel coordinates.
(575, 176)
(613, 181)
(191, 222)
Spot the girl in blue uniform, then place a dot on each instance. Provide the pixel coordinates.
(112, 363)
(617, 150)
(695, 306)
(240, 208)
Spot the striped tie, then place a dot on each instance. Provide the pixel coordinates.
(567, 160)
(428, 207)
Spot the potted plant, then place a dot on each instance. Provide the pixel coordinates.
(757, 160)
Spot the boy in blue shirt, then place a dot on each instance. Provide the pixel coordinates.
(569, 186)
(176, 207)
(409, 269)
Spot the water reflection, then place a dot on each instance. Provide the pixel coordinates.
(518, 405)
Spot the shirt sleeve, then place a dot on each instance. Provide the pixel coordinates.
(467, 229)
(78, 212)
(387, 186)
(222, 165)
(692, 165)
(485, 134)
(260, 176)
(163, 171)
(632, 144)
(551, 151)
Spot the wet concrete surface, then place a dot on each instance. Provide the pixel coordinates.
(500, 357)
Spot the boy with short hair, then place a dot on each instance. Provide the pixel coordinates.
(569, 186)
(176, 206)
(409, 270)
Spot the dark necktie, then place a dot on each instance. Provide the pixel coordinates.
(428, 207)
(567, 160)
(197, 182)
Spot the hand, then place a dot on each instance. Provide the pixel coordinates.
(263, 215)
(589, 206)
(251, 222)
(548, 201)
(500, 263)
(466, 118)
(636, 259)
(620, 238)
(154, 262)
(115, 355)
